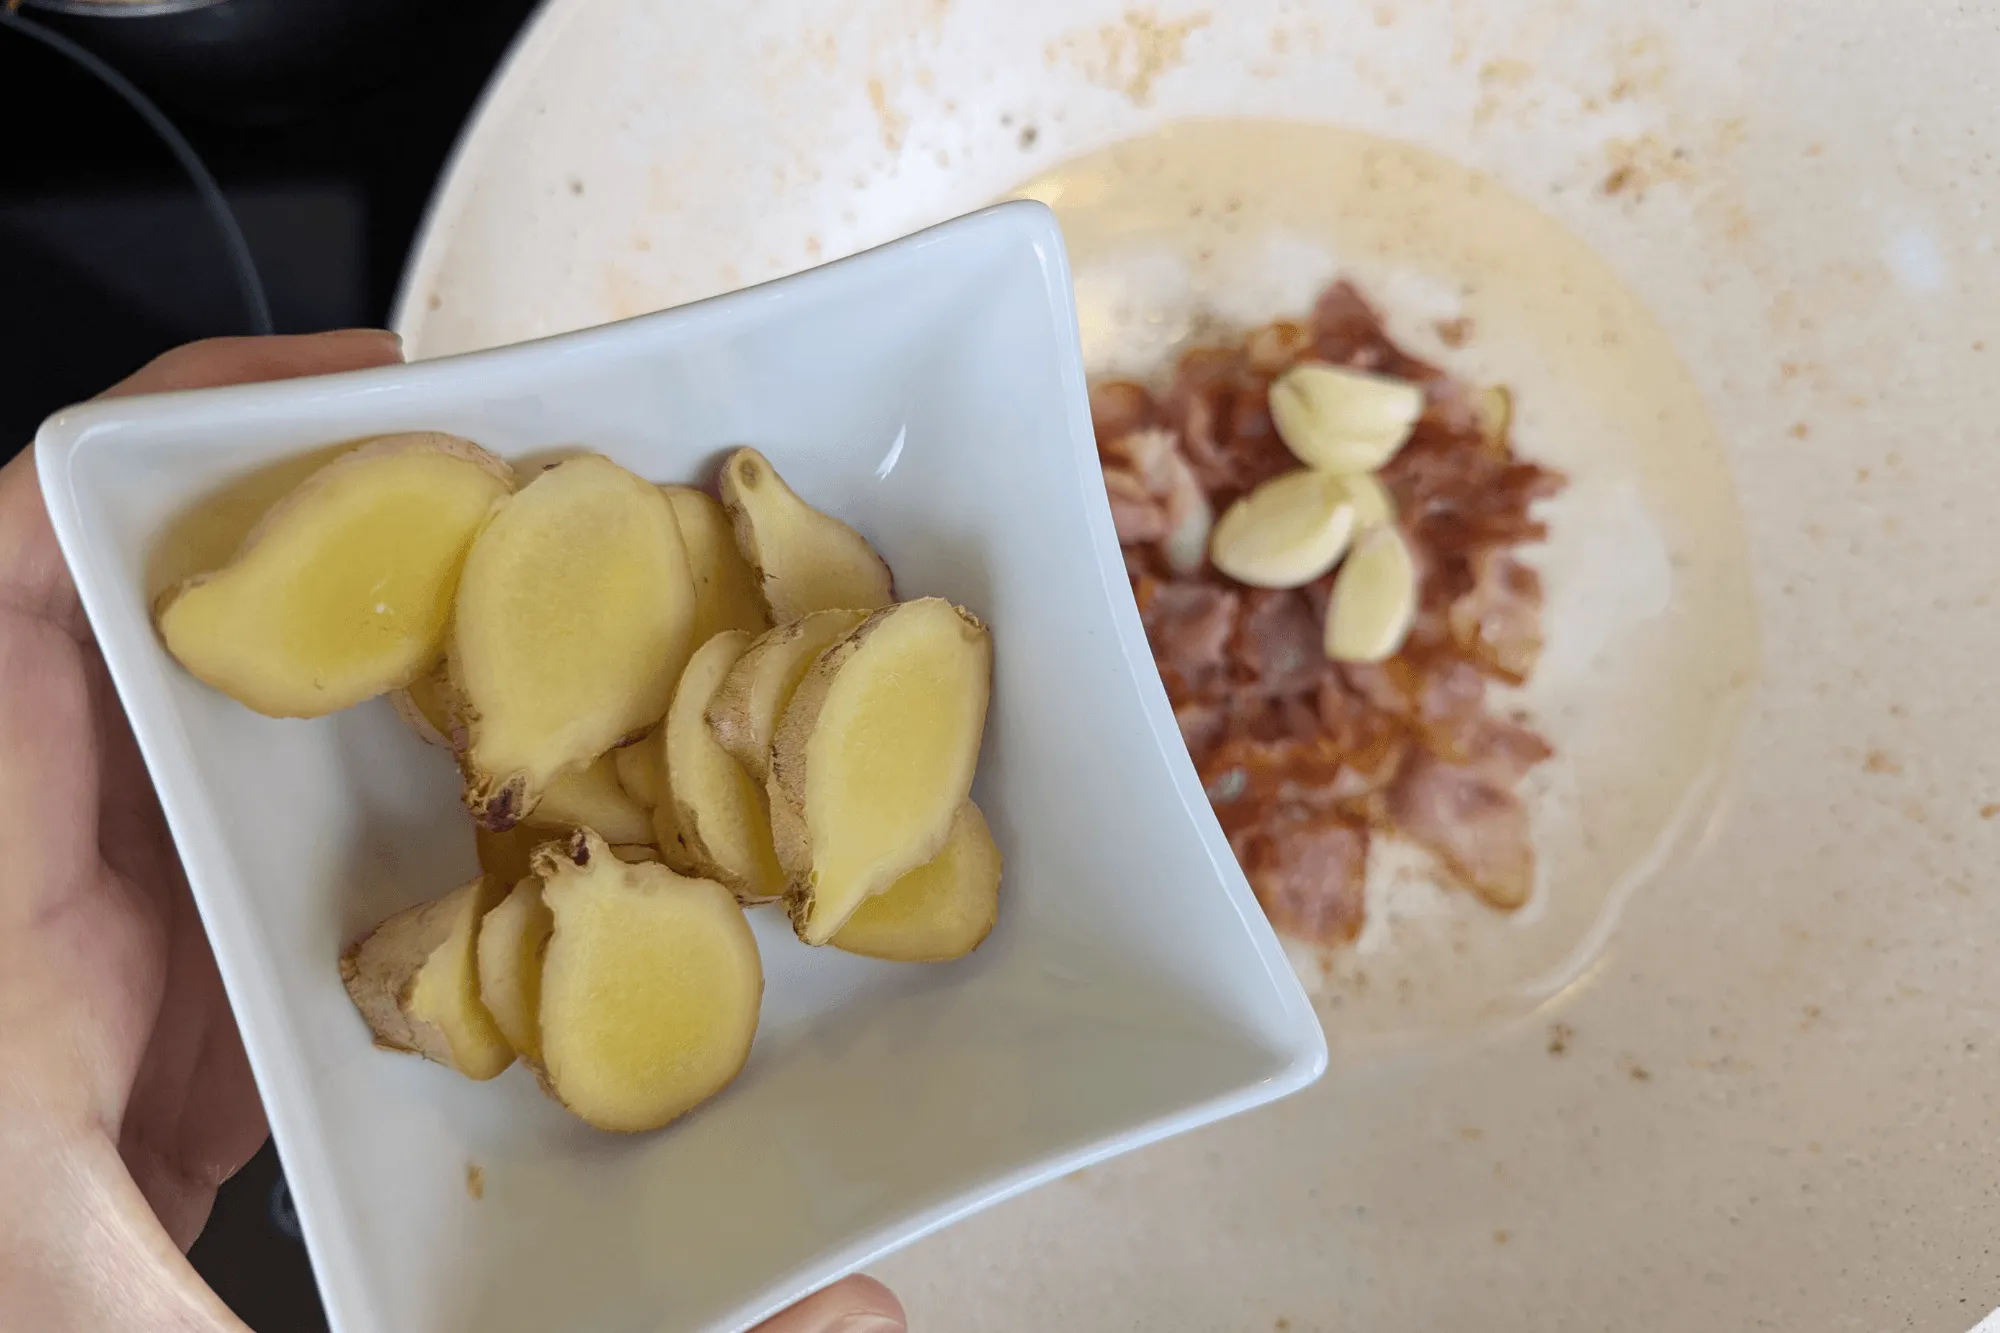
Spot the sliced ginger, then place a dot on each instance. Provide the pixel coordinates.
(642, 772)
(511, 939)
(344, 589)
(574, 615)
(720, 817)
(941, 910)
(726, 591)
(415, 979)
(640, 768)
(744, 713)
(806, 561)
(874, 756)
(426, 708)
(592, 797)
(641, 751)
(650, 987)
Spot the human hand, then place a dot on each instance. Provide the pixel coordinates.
(125, 1096)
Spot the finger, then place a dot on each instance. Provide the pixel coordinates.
(851, 1305)
(32, 574)
(81, 954)
(33, 579)
(48, 771)
(193, 1118)
(219, 361)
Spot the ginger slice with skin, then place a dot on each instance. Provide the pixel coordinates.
(720, 821)
(744, 713)
(650, 987)
(642, 772)
(941, 910)
(727, 590)
(574, 616)
(874, 756)
(639, 768)
(511, 939)
(415, 979)
(806, 561)
(592, 797)
(344, 588)
(426, 707)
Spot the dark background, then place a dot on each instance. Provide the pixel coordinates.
(327, 126)
(328, 155)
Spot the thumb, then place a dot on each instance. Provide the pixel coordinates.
(32, 574)
(218, 361)
(851, 1305)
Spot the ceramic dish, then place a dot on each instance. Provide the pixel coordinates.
(930, 392)
(1738, 263)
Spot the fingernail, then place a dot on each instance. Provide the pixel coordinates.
(394, 337)
(868, 1323)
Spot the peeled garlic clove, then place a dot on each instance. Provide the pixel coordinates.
(1374, 600)
(1373, 506)
(1188, 512)
(1286, 533)
(1493, 408)
(1342, 420)
(1187, 542)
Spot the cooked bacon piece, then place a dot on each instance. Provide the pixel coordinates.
(1452, 406)
(1202, 726)
(1149, 469)
(1498, 621)
(1272, 349)
(1119, 407)
(1348, 332)
(1249, 776)
(1137, 514)
(1282, 755)
(1456, 495)
(1277, 648)
(1143, 453)
(1371, 740)
(1346, 328)
(1220, 409)
(1502, 751)
(1189, 626)
(1450, 706)
(1308, 873)
(1478, 828)
(1442, 700)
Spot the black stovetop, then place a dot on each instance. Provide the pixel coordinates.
(106, 259)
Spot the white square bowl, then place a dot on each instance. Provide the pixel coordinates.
(930, 392)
